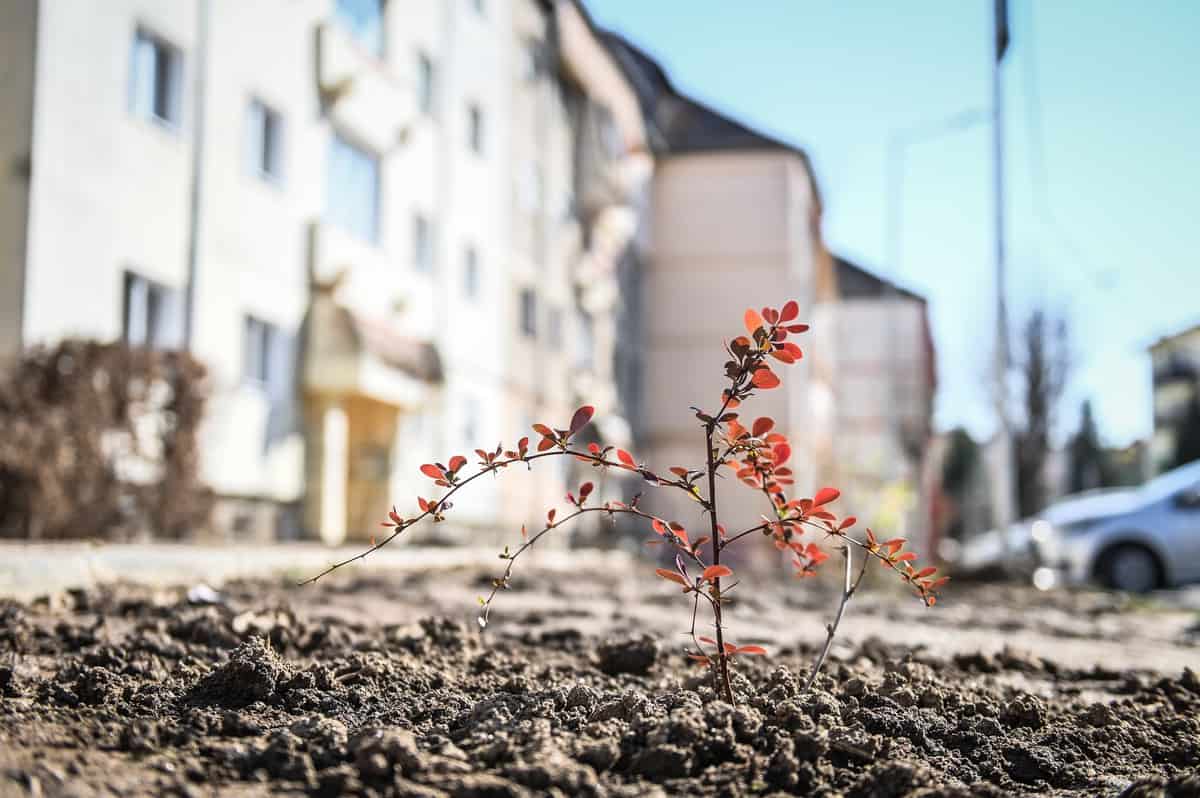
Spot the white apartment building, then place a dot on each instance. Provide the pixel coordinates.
(366, 217)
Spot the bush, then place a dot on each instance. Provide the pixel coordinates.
(99, 440)
(756, 454)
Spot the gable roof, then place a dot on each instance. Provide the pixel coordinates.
(679, 124)
(855, 282)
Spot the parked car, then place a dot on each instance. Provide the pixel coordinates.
(1137, 540)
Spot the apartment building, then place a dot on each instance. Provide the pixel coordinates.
(1175, 385)
(390, 229)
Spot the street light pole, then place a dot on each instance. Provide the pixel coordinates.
(1005, 506)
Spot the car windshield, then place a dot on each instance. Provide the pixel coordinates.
(1171, 482)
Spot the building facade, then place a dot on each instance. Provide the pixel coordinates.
(367, 218)
(1175, 375)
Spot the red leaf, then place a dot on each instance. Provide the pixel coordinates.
(780, 453)
(825, 496)
(790, 311)
(431, 471)
(542, 429)
(765, 378)
(848, 522)
(550, 516)
(935, 584)
(717, 571)
(708, 640)
(770, 315)
(907, 556)
(657, 525)
(751, 650)
(585, 490)
(797, 328)
(671, 575)
(924, 572)
(626, 458)
(424, 505)
(796, 352)
(457, 462)
(762, 426)
(524, 533)
(753, 321)
(581, 418)
(544, 444)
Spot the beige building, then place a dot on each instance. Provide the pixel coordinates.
(1175, 364)
(391, 230)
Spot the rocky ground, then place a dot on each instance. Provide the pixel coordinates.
(372, 683)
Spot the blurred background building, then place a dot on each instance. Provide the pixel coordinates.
(400, 231)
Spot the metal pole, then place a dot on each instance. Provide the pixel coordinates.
(195, 193)
(1005, 505)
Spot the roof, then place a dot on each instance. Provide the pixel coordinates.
(678, 123)
(412, 356)
(856, 282)
(1168, 341)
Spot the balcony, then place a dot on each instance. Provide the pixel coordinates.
(361, 94)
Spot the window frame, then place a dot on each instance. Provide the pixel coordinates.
(263, 346)
(426, 85)
(372, 233)
(377, 50)
(163, 51)
(476, 135)
(423, 248)
(527, 313)
(258, 143)
(155, 307)
(471, 275)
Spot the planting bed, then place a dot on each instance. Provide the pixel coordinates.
(369, 684)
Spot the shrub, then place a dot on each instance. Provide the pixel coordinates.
(757, 454)
(100, 439)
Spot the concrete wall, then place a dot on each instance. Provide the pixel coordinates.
(730, 231)
(18, 45)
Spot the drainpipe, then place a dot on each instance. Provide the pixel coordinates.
(197, 176)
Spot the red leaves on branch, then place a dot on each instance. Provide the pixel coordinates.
(672, 576)
(765, 378)
(717, 571)
(431, 471)
(762, 426)
(825, 496)
(581, 418)
(753, 321)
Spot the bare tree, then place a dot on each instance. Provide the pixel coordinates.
(1044, 364)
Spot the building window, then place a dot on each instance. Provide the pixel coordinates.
(422, 244)
(425, 84)
(264, 141)
(152, 314)
(470, 427)
(554, 328)
(585, 353)
(156, 80)
(352, 192)
(478, 5)
(475, 128)
(471, 273)
(260, 344)
(364, 20)
(529, 312)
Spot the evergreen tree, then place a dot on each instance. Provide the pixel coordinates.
(1088, 463)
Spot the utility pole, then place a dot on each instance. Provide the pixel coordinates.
(1004, 482)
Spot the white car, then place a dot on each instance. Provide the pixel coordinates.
(1137, 540)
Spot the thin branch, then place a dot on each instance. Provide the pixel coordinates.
(492, 468)
(831, 629)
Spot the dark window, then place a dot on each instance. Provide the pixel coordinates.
(425, 84)
(152, 313)
(471, 273)
(258, 357)
(264, 141)
(475, 129)
(529, 312)
(352, 191)
(422, 244)
(364, 19)
(156, 81)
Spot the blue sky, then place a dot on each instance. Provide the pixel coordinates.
(1103, 171)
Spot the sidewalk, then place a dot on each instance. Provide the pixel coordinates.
(28, 570)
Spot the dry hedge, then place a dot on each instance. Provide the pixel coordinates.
(100, 440)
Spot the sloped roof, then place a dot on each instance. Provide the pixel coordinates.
(856, 282)
(678, 123)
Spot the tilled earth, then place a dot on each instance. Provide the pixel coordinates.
(370, 685)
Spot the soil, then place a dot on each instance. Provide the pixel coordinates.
(367, 684)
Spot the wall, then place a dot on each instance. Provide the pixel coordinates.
(18, 37)
(730, 231)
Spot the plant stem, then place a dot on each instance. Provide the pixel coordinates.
(722, 657)
(831, 629)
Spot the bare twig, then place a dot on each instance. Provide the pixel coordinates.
(831, 629)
